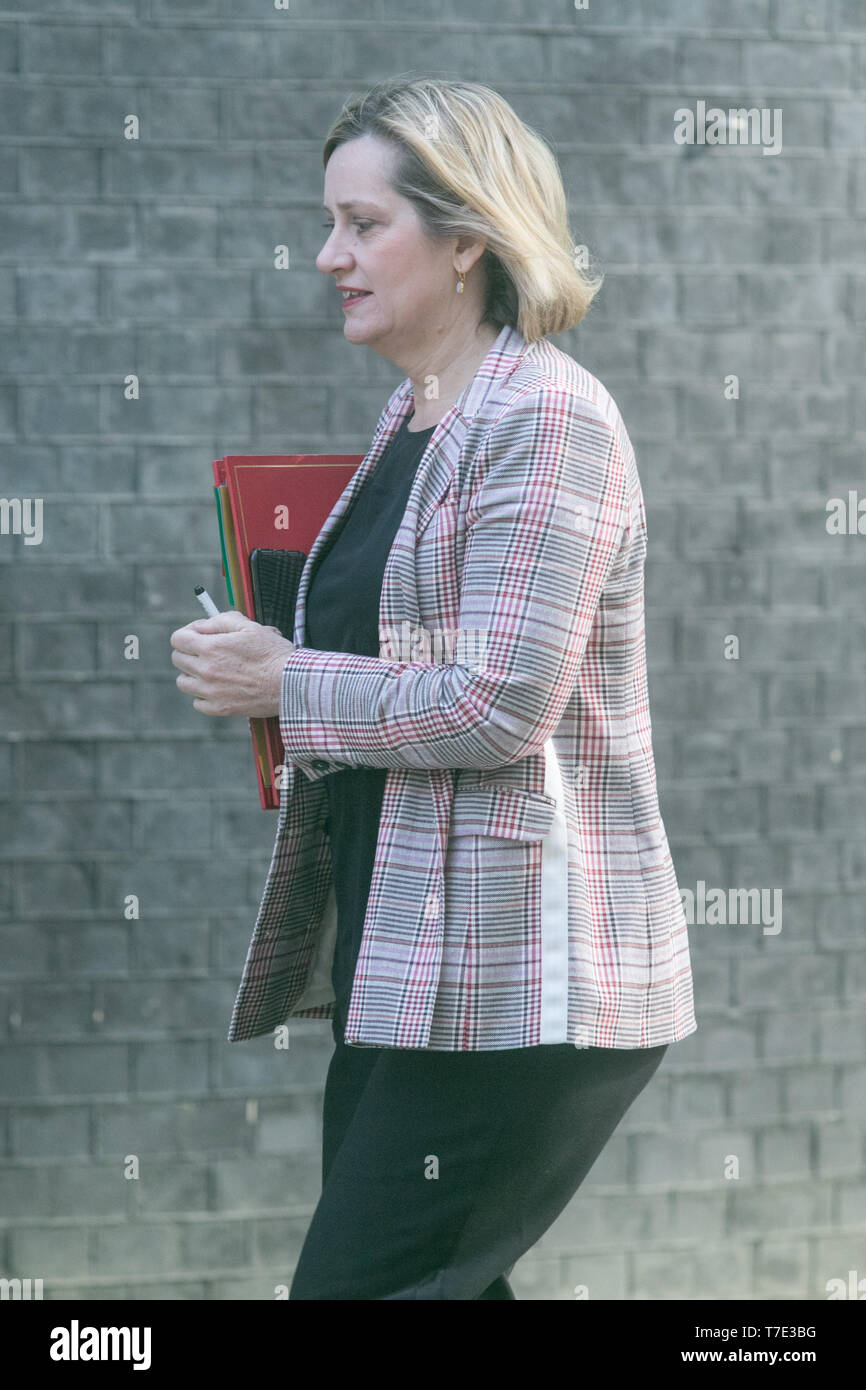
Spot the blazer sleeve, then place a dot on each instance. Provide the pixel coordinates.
(547, 515)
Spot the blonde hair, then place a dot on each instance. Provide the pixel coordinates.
(470, 166)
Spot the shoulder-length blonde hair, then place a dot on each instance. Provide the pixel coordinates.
(470, 166)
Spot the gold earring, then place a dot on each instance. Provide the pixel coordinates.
(460, 282)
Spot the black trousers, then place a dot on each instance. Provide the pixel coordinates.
(441, 1169)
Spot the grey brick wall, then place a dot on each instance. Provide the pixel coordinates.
(740, 1170)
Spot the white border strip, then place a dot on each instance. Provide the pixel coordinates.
(554, 910)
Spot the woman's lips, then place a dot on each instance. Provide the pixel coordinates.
(355, 299)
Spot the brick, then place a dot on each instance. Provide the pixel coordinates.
(708, 299)
(97, 234)
(177, 1288)
(53, 1253)
(50, 171)
(785, 1151)
(211, 1245)
(293, 295)
(838, 916)
(722, 1271)
(803, 981)
(90, 950)
(781, 1269)
(841, 1036)
(87, 1069)
(51, 1132)
(184, 232)
(57, 648)
(129, 1249)
(101, 468)
(664, 1159)
(696, 1211)
(132, 1009)
(183, 115)
(19, 1072)
(71, 885)
(152, 530)
(55, 1012)
(213, 1126)
(145, 1129)
(199, 1005)
(303, 1063)
(843, 238)
(697, 1100)
(797, 66)
(149, 173)
(168, 887)
(790, 1038)
(705, 60)
(7, 289)
(171, 1188)
(25, 950)
(840, 1149)
(62, 48)
(256, 1185)
(254, 1286)
(177, 352)
(168, 1067)
(811, 1090)
(832, 1258)
(742, 15)
(171, 764)
(25, 1191)
(249, 235)
(277, 1243)
(215, 52)
(159, 948)
(289, 1125)
(603, 1275)
(852, 1203)
(86, 707)
(95, 1190)
(59, 294)
(774, 1207)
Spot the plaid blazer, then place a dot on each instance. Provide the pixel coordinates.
(522, 890)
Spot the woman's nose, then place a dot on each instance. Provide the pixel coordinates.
(331, 257)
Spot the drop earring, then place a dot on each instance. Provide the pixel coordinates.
(460, 282)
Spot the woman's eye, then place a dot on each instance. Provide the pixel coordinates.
(362, 227)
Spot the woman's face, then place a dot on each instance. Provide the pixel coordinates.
(375, 243)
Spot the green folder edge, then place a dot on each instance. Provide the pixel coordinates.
(226, 568)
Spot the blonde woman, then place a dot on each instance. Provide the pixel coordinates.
(471, 877)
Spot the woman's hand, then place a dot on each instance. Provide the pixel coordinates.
(231, 665)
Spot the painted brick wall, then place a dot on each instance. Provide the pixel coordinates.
(155, 257)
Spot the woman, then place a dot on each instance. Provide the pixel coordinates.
(471, 877)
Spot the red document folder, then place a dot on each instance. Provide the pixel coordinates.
(278, 502)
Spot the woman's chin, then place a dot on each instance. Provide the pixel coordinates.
(358, 332)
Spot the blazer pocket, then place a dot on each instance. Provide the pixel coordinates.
(502, 810)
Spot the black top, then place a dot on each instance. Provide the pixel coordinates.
(342, 615)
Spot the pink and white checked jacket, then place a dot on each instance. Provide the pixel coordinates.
(523, 890)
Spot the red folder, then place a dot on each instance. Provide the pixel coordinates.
(278, 502)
